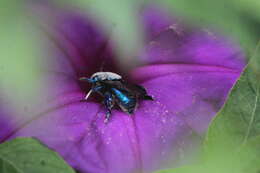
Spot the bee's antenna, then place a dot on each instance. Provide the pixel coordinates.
(86, 79)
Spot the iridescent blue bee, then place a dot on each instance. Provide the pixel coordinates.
(116, 91)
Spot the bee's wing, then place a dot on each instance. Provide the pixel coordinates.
(131, 89)
(118, 84)
(139, 91)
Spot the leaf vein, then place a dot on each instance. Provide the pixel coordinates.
(251, 119)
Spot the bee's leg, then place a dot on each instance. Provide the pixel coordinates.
(109, 103)
(108, 114)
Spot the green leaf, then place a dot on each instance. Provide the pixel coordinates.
(249, 156)
(239, 119)
(183, 169)
(28, 155)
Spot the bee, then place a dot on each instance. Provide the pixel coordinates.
(116, 91)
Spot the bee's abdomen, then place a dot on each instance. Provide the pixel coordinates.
(126, 102)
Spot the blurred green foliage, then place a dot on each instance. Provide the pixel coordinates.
(242, 160)
(119, 18)
(19, 53)
(231, 17)
(249, 7)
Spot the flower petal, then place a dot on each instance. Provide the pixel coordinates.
(78, 42)
(193, 92)
(6, 122)
(171, 41)
(156, 20)
(78, 132)
(159, 132)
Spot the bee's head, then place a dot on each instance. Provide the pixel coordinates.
(101, 76)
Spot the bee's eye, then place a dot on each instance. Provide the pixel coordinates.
(95, 79)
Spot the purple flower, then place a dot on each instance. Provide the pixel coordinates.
(188, 71)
